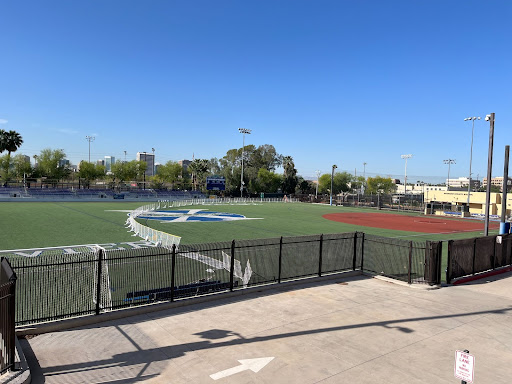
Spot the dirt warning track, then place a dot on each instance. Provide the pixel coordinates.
(424, 224)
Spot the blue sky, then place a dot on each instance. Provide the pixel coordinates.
(326, 82)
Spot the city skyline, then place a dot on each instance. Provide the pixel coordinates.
(331, 83)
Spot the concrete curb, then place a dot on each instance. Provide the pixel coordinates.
(424, 287)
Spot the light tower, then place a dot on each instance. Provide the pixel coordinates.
(471, 152)
(317, 182)
(89, 139)
(449, 162)
(332, 177)
(406, 157)
(243, 131)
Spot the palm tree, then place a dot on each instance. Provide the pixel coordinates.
(10, 142)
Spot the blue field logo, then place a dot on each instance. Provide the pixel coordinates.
(191, 215)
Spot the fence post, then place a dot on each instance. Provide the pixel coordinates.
(449, 263)
(409, 279)
(320, 255)
(280, 259)
(98, 282)
(173, 269)
(232, 266)
(354, 259)
(362, 253)
(474, 256)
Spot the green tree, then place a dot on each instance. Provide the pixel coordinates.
(89, 171)
(267, 181)
(128, 170)
(198, 169)
(9, 141)
(290, 179)
(340, 183)
(305, 186)
(170, 172)
(21, 166)
(51, 164)
(380, 184)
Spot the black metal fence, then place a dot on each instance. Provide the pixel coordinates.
(7, 316)
(470, 256)
(57, 286)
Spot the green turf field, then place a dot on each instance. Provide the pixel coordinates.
(45, 224)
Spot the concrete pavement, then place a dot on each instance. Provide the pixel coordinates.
(349, 330)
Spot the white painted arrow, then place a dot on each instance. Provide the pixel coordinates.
(254, 365)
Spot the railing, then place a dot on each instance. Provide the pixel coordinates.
(56, 286)
(471, 256)
(7, 316)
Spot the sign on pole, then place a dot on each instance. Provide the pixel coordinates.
(464, 366)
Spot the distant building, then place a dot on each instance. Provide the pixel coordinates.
(27, 158)
(462, 182)
(109, 161)
(497, 181)
(149, 158)
(64, 163)
(100, 162)
(184, 164)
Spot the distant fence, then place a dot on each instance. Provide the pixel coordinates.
(57, 286)
(7, 316)
(471, 256)
(167, 240)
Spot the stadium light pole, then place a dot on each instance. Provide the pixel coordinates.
(471, 152)
(364, 177)
(449, 162)
(89, 139)
(317, 182)
(405, 157)
(243, 131)
(153, 149)
(332, 177)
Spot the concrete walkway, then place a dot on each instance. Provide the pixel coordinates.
(350, 330)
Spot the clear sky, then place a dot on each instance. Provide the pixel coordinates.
(326, 82)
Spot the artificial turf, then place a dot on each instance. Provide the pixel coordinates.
(46, 224)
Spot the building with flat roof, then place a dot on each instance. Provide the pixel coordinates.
(149, 158)
(498, 182)
(109, 161)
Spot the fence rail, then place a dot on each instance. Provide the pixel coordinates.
(7, 316)
(52, 287)
(471, 256)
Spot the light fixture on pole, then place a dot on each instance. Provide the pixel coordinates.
(243, 131)
(317, 182)
(364, 177)
(154, 167)
(449, 162)
(405, 157)
(471, 152)
(89, 139)
(332, 177)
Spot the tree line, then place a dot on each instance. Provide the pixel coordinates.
(259, 172)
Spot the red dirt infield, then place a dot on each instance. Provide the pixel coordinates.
(423, 224)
